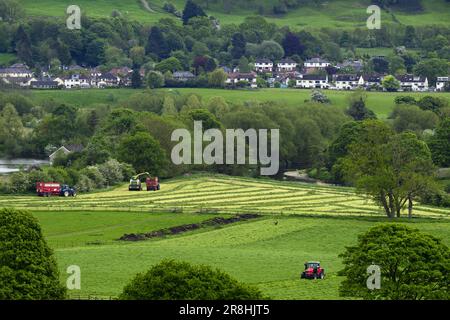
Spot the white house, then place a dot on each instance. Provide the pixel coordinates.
(263, 65)
(441, 83)
(77, 81)
(413, 83)
(318, 63)
(287, 65)
(313, 81)
(235, 78)
(348, 81)
(17, 70)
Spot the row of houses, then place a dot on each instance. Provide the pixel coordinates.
(286, 74)
(336, 82)
(289, 65)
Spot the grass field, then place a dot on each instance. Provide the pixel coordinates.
(381, 103)
(222, 194)
(335, 14)
(6, 59)
(316, 223)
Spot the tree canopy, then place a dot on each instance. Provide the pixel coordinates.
(414, 265)
(172, 280)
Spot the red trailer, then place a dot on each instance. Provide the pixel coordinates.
(46, 189)
(152, 184)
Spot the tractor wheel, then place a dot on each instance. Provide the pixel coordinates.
(74, 194)
(66, 194)
(159, 187)
(322, 275)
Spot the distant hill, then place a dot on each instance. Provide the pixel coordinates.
(299, 14)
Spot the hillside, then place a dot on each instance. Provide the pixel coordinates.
(335, 14)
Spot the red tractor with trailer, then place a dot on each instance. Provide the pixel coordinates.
(47, 189)
(313, 270)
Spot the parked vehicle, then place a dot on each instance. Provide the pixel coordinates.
(47, 189)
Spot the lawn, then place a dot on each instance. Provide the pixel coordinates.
(381, 103)
(6, 59)
(335, 14)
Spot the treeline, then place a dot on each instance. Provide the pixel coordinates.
(201, 45)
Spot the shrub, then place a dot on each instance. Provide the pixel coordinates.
(27, 267)
(171, 280)
(111, 171)
(84, 184)
(93, 173)
(18, 182)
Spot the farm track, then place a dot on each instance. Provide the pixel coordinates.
(221, 194)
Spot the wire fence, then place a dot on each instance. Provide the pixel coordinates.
(75, 296)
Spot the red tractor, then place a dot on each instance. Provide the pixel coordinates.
(313, 270)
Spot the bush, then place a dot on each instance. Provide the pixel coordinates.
(93, 173)
(28, 270)
(84, 184)
(18, 183)
(171, 280)
(111, 171)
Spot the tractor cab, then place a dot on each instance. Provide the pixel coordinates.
(313, 270)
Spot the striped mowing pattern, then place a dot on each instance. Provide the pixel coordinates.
(222, 194)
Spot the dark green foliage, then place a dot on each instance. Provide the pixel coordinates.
(171, 280)
(358, 110)
(143, 152)
(440, 144)
(192, 10)
(136, 79)
(157, 44)
(28, 270)
(414, 265)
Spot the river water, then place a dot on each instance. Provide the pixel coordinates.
(14, 165)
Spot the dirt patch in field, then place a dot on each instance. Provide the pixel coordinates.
(188, 227)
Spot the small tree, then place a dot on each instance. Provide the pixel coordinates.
(136, 80)
(155, 80)
(171, 280)
(217, 78)
(358, 110)
(28, 270)
(414, 265)
(319, 96)
(391, 84)
(192, 10)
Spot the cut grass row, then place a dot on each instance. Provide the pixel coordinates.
(225, 195)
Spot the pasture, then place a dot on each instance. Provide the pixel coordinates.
(332, 14)
(381, 103)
